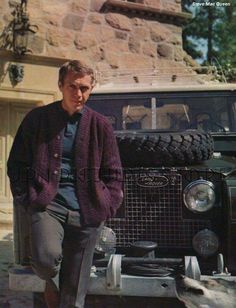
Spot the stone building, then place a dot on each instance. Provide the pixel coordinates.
(141, 38)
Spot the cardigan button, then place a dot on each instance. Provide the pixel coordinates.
(56, 155)
(58, 137)
(55, 172)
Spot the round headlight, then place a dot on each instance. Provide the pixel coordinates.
(199, 196)
(205, 243)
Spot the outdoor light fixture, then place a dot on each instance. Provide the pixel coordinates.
(15, 35)
(21, 29)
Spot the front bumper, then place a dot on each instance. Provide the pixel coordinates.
(110, 281)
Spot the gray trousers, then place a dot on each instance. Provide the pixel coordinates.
(62, 253)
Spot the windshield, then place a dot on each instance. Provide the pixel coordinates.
(214, 114)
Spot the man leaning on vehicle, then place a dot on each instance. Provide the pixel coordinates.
(64, 168)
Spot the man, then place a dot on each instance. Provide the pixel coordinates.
(64, 167)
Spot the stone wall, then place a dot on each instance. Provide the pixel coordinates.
(104, 38)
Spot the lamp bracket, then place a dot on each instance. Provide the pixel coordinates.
(16, 73)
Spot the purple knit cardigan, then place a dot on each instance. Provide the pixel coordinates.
(35, 161)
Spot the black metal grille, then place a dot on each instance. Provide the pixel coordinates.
(154, 213)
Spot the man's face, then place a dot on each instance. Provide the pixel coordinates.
(75, 91)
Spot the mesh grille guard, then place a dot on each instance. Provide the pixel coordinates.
(153, 210)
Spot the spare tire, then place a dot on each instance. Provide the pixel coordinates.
(155, 148)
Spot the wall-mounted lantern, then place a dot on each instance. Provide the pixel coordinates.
(21, 29)
(15, 35)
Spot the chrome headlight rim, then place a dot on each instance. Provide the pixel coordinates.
(187, 190)
(201, 242)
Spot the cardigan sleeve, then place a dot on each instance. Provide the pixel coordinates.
(111, 169)
(19, 163)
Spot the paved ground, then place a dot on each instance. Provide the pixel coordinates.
(8, 298)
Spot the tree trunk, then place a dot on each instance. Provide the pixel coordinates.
(210, 34)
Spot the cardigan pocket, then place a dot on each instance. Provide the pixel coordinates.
(39, 191)
(103, 198)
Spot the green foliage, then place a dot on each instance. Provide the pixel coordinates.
(226, 42)
(216, 25)
(226, 73)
